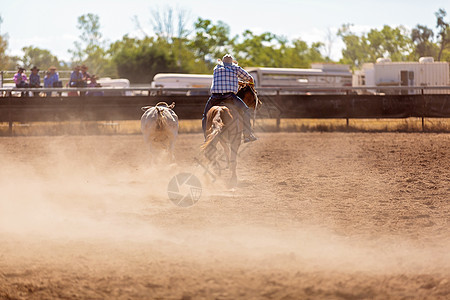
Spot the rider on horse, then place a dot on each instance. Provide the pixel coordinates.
(225, 85)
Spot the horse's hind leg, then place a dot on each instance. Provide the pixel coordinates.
(226, 151)
(233, 161)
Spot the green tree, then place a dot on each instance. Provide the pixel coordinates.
(422, 37)
(6, 62)
(257, 50)
(444, 31)
(210, 42)
(270, 50)
(90, 50)
(171, 30)
(394, 43)
(357, 50)
(390, 42)
(4, 59)
(299, 54)
(140, 59)
(34, 56)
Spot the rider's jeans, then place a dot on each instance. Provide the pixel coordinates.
(215, 99)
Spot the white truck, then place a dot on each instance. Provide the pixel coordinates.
(118, 84)
(192, 84)
(385, 73)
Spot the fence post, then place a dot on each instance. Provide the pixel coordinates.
(10, 121)
(347, 108)
(423, 110)
(278, 100)
(81, 99)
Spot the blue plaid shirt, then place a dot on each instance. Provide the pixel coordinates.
(225, 78)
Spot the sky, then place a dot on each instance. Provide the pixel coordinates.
(53, 25)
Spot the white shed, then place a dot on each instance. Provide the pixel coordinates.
(425, 73)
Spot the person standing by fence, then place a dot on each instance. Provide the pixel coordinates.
(76, 80)
(20, 79)
(86, 77)
(52, 78)
(35, 79)
(76, 77)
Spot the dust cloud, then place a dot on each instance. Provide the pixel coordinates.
(68, 197)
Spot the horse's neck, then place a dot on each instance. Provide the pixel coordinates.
(242, 93)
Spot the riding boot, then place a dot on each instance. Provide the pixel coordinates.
(248, 133)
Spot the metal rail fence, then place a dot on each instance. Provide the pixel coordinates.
(317, 103)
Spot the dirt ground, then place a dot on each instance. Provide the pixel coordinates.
(314, 216)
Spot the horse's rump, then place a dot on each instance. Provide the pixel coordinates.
(217, 118)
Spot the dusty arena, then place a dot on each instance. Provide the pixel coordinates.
(314, 216)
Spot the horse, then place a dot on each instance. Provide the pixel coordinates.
(224, 124)
(159, 125)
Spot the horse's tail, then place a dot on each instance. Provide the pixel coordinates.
(216, 126)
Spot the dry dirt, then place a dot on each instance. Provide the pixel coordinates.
(314, 216)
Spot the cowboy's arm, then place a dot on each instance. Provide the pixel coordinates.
(244, 75)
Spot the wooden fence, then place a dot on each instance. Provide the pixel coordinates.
(275, 105)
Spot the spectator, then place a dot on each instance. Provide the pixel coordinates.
(84, 74)
(20, 79)
(94, 83)
(76, 78)
(51, 78)
(35, 79)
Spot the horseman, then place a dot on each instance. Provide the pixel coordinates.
(225, 85)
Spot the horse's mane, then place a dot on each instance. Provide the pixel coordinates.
(245, 87)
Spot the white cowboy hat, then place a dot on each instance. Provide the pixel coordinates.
(228, 59)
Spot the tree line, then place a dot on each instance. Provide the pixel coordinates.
(175, 47)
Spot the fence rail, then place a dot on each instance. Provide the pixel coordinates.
(5, 91)
(345, 104)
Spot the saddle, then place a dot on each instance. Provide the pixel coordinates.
(221, 101)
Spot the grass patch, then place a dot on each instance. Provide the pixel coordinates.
(261, 125)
